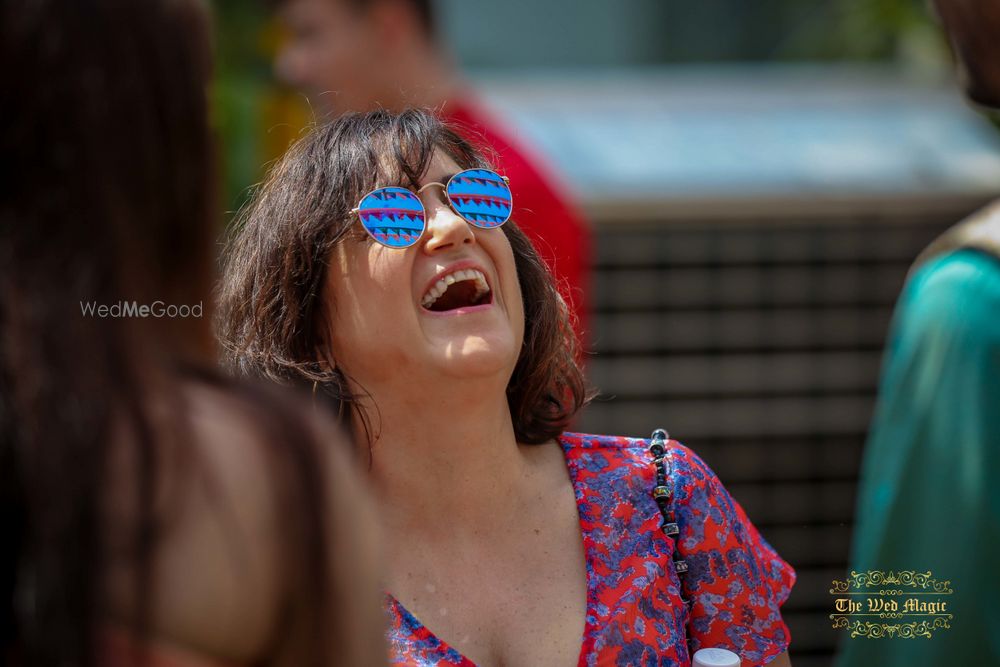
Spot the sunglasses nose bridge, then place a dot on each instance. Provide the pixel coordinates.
(439, 204)
(442, 198)
(431, 185)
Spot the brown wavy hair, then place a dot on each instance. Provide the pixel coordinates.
(273, 311)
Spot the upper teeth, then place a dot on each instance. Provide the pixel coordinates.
(458, 276)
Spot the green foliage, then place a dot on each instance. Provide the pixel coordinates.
(241, 82)
(863, 30)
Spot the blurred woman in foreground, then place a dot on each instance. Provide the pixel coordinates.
(154, 511)
(378, 262)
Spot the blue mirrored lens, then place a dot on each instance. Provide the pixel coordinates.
(481, 197)
(393, 216)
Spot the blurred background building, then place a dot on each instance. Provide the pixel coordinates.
(760, 177)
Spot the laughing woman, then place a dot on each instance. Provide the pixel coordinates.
(378, 263)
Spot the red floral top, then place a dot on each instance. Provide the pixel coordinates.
(635, 613)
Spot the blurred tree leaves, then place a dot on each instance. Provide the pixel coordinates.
(902, 31)
(255, 117)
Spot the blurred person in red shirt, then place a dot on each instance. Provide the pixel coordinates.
(359, 55)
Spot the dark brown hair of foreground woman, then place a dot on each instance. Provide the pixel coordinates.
(272, 315)
(141, 495)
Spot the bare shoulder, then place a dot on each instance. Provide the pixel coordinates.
(228, 490)
(266, 444)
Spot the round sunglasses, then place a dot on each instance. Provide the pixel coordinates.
(395, 217)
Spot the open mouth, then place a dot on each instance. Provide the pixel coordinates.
(460, 289)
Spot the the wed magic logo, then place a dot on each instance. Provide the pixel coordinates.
(905, 604)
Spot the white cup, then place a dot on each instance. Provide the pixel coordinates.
(715, 657)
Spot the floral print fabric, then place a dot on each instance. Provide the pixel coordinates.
(635, 613)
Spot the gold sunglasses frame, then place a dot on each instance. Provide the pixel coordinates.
(357, 209)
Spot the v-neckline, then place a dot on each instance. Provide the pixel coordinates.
(588, 618)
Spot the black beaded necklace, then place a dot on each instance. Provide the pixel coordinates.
(663, 495)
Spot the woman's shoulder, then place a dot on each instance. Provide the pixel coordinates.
(240, 457)
(626, 449)
(219, 505)
(589, 441)
(629, 467)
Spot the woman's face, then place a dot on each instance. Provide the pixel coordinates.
(398, 317)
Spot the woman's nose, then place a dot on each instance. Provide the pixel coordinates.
(445, 228)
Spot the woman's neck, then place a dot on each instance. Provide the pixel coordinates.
(443, 461)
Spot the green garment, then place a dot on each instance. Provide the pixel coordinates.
(930, 482)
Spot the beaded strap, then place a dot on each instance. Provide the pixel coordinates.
(663, 495)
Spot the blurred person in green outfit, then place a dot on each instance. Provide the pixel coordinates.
(930, 487)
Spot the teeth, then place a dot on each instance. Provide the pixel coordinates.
(441, 285)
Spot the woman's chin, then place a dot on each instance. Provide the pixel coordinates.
(478, 356)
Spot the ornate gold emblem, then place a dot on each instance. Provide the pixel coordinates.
(917, 599)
